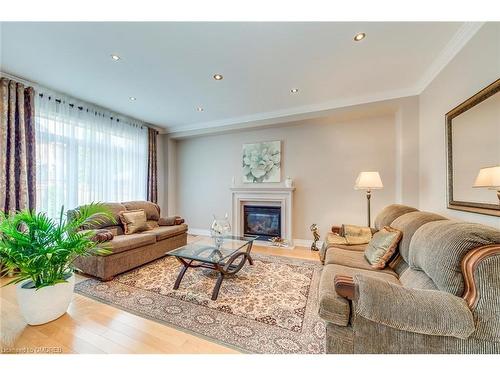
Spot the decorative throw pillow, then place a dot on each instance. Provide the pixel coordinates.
(335, 239)
(102, 235)
(382, 247)
(133, 221)
(356, 235)
(171, 220)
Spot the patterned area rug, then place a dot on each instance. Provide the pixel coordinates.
(270, 307)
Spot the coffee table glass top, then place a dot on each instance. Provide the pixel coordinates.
(204, 249)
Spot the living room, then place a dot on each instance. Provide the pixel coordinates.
(269, 187)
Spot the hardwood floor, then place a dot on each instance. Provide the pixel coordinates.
(93, 327)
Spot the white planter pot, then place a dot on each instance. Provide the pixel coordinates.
(45, 304)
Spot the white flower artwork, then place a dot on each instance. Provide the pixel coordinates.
(262, 162)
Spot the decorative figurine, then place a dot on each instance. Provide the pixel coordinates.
(315, 232)
(278, 241)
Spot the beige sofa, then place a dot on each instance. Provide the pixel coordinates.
(133, 250)
(440, 294)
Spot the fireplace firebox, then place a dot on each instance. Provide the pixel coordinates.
(262, 221)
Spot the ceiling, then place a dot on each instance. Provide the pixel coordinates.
(169, 66)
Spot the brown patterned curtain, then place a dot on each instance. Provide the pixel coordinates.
(17, 146)
(152, 168)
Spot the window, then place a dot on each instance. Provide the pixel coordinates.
(84, 155)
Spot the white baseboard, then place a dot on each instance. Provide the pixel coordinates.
(296, 241)
(306, 243)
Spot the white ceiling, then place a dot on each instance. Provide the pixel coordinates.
(169, 66)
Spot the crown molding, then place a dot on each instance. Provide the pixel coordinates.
(452, 48)
(282, 116)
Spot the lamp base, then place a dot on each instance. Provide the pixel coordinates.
(368, 198)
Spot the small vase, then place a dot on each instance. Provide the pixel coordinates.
(288, 182)
(219, 229)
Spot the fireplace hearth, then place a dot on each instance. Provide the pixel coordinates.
(262, 221)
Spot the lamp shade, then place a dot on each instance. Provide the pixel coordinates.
(488, 178)
(368, 180)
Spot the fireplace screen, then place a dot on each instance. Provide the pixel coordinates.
(262, 221)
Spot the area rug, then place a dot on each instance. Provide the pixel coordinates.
(270, 307)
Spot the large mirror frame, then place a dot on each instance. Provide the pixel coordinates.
(480, 208)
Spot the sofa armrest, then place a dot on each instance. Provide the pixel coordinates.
(470, 263)
(422, 311)
(344, 286)
(169, 221)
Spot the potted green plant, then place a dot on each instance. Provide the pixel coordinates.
(42, 251)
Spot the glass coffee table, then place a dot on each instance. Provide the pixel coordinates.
(227, 259)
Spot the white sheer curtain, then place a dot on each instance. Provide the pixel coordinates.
(86, 154)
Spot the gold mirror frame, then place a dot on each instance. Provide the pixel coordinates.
(476, 207)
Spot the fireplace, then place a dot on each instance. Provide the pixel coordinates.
(269, 198)
(262, 221)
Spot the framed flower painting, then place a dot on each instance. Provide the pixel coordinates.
(261, 162)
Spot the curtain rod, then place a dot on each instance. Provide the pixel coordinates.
(96, 112)
(39, 87)
(16, 78)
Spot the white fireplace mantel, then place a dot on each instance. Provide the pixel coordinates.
(278, 189)
(271, 195)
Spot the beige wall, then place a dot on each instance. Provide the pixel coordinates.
(407, 144)
(323, 158)
(473, 68)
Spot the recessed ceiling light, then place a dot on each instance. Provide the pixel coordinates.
(294, 91)
(115, 57)
(218, 77)
(199, 109)
(359, 36)
(133, 98)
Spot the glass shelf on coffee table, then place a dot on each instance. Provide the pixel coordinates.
(227, 259)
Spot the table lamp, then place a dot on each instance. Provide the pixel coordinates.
(489, 178)
(368, 181)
